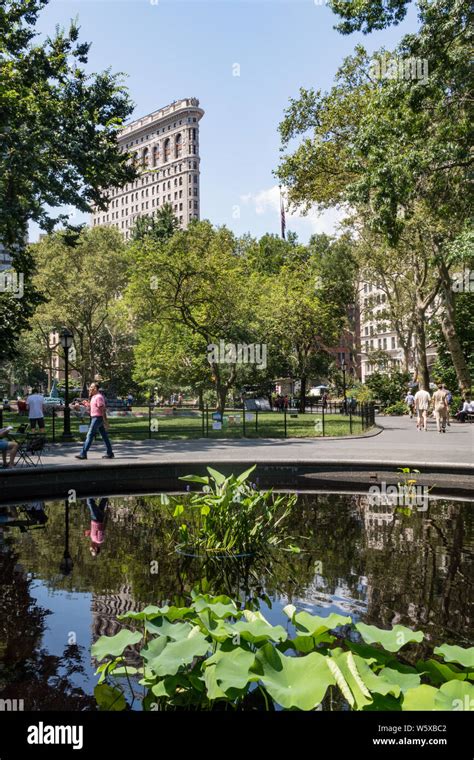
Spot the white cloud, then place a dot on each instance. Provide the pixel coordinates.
(315, 221)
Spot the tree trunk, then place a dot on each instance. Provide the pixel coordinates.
(221, 397)
(449, 332)
(303, 381)
(422, 372)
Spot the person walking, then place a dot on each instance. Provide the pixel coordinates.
(410, 402)
(422, 405)
(441, 408)
(35, 406)
(99, 423)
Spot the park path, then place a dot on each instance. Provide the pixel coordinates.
(399, 442)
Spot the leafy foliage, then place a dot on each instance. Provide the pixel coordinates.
(229, 516)
(211, 654)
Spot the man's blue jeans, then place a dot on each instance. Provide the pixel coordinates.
(96, 426)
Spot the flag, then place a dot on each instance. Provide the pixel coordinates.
(282, 216)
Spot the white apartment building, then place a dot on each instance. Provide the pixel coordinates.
(380, 350)
(166, 148)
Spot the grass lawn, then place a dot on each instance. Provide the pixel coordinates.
(189, 424)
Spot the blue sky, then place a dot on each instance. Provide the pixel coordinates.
(173, 49)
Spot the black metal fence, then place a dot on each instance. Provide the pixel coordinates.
(159, 422)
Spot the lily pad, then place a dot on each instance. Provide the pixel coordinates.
(115, 645)
(420, 698)
(220, 606)
(439, 673)
(313, 625)
(295, 682)
(392, 640)
(179, 653)
(464, 657)
(233, 668)
(258, 630)
(455, 696)
(163, 627)
(109, 698)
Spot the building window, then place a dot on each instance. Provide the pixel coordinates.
(167, 150)
(145, 158)
(394, 343)
(177, 146)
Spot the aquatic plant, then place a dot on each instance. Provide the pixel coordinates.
(213, 655)
(230, 515)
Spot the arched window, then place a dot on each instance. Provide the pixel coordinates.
(145, 158)
(156, 155)
(167, 149)
(177, 146)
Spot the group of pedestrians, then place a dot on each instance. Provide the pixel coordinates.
(420, 404)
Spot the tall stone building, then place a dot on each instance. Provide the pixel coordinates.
(166, 148)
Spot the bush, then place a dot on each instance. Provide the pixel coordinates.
(388, 389)
(395, 409)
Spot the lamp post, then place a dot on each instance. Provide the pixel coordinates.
(66, 342)
(343, 369)
(66, 564)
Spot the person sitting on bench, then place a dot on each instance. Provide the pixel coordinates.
(7, 446)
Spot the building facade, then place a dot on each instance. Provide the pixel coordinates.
(380, 349)
(165, 146)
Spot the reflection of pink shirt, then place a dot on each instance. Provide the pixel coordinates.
(97, 532)
(97, 405)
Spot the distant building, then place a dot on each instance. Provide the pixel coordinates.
(380, 349)
(165, 145)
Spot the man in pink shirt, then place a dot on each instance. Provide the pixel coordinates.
(99, 423)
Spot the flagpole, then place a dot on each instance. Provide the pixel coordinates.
(282, 216)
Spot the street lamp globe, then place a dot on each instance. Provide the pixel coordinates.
(66, 338)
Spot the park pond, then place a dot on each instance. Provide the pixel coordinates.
(59, 594)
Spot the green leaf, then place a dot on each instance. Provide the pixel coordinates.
(195, 479)
(213, 689)
(370, 654)
(109, 698)
(258, 630)
(145, 614)
(233, 668)
(455, 696)
(464, 657)
(217, 476)
(244, 475)
(220, 606)
(115, 645)
(179, 653)
(152, 650)
(163, 627)
(420, 698)
(392, 640)
(404, 680)
(438, 672)
(313, 625)
(294, 682)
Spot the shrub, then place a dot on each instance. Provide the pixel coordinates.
(398, 408)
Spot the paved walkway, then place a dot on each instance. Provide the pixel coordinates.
(399, 443)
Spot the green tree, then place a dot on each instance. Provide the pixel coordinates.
(197, 282)
(58, 141)
(159, 226)
(82, 279)
(396, 147)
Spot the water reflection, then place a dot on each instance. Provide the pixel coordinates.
(68, 570)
